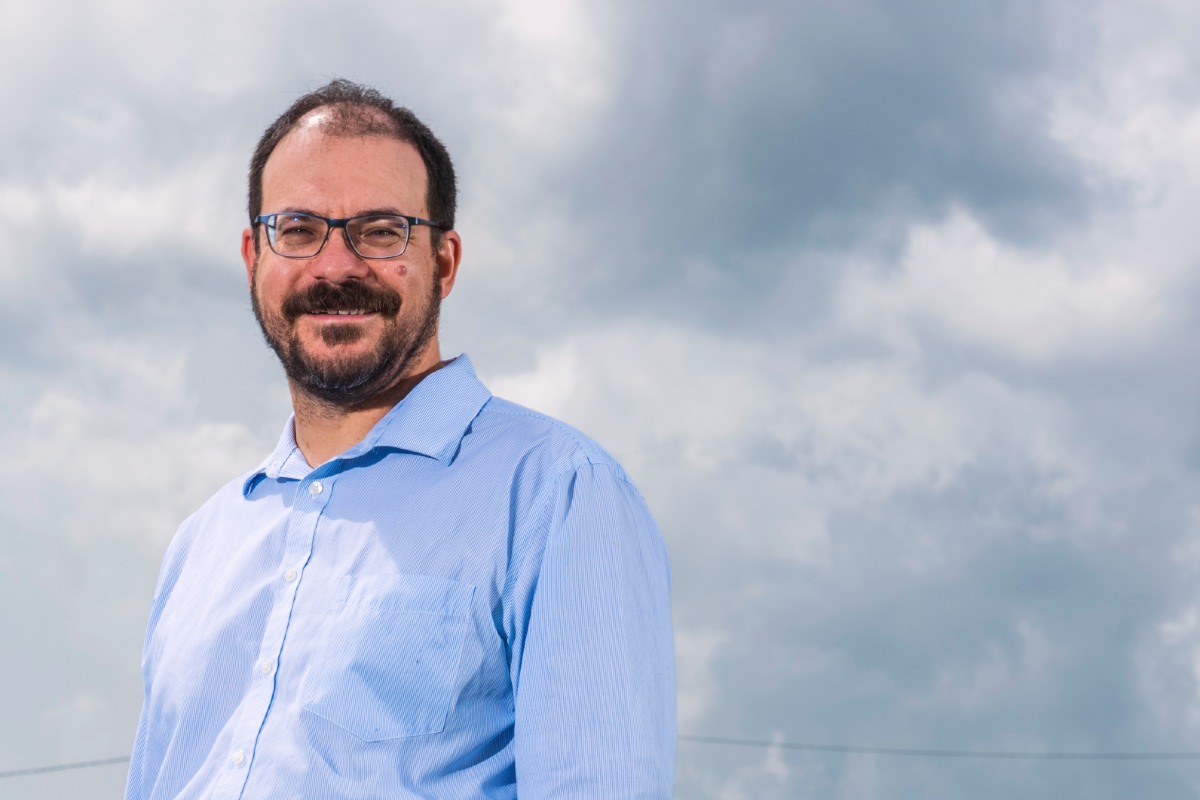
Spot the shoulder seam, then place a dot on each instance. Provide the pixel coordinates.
(580, 441)
(617, 470)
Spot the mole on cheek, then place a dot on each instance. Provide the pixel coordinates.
(401, 270)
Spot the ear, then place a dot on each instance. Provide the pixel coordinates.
(249, 254)
(447, 259)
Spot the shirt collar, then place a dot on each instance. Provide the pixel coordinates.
(431, 420)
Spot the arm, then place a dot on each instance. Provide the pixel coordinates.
(134, 788)
(595, 685)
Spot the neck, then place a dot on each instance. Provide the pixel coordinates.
(324, 429)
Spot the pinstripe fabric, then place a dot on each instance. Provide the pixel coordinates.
(473, 602)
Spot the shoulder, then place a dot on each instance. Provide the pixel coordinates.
(231, 495)
(228, 500)
(193, 539)
(528, 434)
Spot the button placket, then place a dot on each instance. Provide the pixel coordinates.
(307, 509)
(301, 530)
(316, 489)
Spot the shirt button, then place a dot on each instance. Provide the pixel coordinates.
(265, 667)
(315, 488)
(238, 757)
(290, 576)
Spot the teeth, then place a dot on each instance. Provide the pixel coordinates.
(341, 311)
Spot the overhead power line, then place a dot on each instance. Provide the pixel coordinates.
(923, 753)
(908, 752)
(104, 762)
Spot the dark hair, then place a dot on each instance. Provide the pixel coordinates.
(359, 110)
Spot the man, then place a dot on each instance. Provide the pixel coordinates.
(424, 591)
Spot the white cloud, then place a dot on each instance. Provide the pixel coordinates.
(697, 688)
(869, 425)
(547, 388)
(1025, 304)
(182, 212)
(121, 439)
(554, 71)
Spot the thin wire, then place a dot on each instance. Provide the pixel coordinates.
(13, 773)
(763, 743)
(920, 753)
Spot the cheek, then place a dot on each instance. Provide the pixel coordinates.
(269, 289)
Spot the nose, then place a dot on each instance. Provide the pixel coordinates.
(337, 262)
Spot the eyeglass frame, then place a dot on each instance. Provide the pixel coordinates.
(267, 221)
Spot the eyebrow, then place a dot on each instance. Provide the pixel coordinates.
(365, 213)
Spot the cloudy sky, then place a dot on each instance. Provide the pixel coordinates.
(890, 308)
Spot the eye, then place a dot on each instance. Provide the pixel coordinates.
(297, 229)
(382, 231)
(380, 234)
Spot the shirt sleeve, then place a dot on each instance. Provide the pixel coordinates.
(135, 785)
(595, 687)
(134, 789)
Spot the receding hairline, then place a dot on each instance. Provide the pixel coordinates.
(350, 121)
(346, 120)
(321, 132)
(345, 109)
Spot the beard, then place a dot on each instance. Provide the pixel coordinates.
(348, 381)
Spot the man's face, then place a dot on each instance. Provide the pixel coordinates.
(348, 359)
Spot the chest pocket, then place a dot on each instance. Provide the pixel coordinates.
(390, 655)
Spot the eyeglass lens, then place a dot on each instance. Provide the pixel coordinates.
(302, 235)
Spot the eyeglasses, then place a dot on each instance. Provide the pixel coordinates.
(295, 235)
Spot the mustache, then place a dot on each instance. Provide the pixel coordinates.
(347, 296)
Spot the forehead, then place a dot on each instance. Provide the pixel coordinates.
(343, 175)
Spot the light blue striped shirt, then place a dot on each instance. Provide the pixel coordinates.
(472, 602)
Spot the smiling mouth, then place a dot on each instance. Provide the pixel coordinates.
(349, 302)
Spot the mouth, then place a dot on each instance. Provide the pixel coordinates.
(349, 302)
